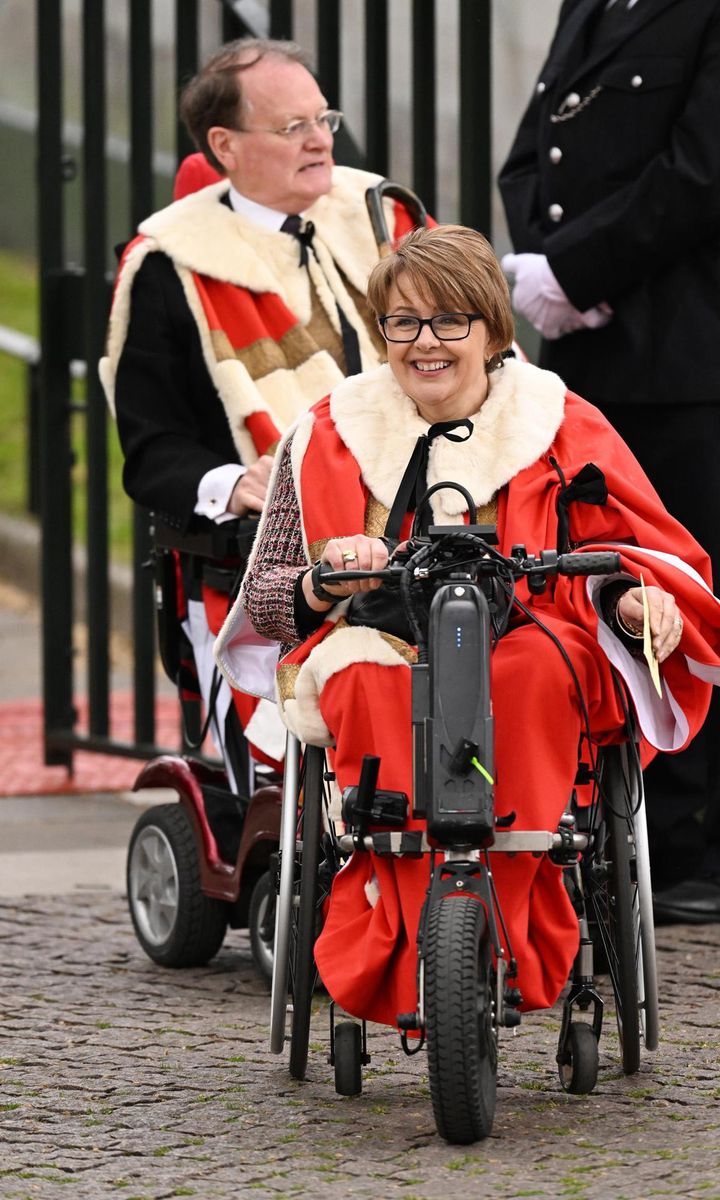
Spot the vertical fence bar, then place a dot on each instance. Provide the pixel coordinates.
(328, 50)
(186, 62)
(33, 434)
(231, 25)
(476, 179)
(423, 101)
(95, 231)
(376, 86)
(141, 205)
(281, 18)
(54, 424)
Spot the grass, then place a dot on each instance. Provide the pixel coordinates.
(19, 311)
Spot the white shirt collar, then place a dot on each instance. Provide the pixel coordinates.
(260, 214)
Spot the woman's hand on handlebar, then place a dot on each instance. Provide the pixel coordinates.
(358, 553)
(666, 624)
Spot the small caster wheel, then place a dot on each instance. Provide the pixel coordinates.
(348, 1058)
(261, 924)
(578, 1060)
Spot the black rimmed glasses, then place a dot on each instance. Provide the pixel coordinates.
(447, 327)
(297, 130)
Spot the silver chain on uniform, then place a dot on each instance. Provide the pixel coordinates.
(559, 116)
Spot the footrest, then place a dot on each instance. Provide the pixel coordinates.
(414, 841)
(409, 841)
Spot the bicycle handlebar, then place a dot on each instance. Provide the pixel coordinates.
(593, 562)
(548, 562)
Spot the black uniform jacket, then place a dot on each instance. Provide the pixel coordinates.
(172, 424)
(615, 176)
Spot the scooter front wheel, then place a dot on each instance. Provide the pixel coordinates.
(459, 1019)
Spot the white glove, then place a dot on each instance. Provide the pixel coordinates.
(537, 295)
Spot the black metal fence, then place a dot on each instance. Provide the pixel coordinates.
(74, 301)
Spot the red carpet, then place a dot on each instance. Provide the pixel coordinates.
(23, 772)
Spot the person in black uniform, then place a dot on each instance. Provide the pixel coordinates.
(612, 196)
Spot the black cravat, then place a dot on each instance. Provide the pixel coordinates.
(351, 346)
(413, 484)
(294, 225)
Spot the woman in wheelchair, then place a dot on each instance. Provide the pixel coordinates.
(547, 470)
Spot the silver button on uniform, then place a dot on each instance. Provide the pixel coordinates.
(636, 81)
(540, 88)
(555, 154)
(555, 212)
(572, 100)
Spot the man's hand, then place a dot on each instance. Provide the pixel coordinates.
(538, 297)
(249, 492)
(666, 624)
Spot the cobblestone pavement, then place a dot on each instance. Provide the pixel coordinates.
(121, 1079)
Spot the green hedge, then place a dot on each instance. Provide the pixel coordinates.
(19, 310)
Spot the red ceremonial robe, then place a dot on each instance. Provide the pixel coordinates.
(350, 686)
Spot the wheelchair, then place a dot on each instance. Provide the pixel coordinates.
(601, 844)
(203, 865)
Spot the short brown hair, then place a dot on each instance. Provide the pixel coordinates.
(456, 268)
(214, 96)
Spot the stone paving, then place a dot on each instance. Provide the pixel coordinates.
(118, 1078)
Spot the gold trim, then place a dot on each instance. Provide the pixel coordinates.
(287, 674)
(376, 515)
(487, 513)
(221, 344)
(404, 649)
(266, 355)
(315, 549)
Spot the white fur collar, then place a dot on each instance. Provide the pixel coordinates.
(204, 235)
(518, 421)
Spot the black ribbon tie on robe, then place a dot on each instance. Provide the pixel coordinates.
(413, 484)
(588, 487)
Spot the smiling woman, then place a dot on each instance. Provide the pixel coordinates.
(345, 491)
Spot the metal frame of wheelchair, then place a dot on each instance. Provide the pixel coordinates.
(202, 865)
(601, 847)
(604, 850)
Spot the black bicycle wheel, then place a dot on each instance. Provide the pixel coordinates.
(461, 1041)
(612, 890)
(303, 973)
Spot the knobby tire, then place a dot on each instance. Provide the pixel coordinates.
(462, 1048)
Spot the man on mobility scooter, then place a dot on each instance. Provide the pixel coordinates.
(235, 308)
(548, 471)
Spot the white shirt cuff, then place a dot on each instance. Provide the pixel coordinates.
(214, 492)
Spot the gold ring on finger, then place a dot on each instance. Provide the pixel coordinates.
(349, 556)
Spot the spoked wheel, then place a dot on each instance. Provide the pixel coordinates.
(175, 923)
(617, 885)
(459, 1020)
(348, 1058)
(578, 1067)
(304, 920)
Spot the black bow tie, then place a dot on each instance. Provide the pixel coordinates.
(294, 226)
